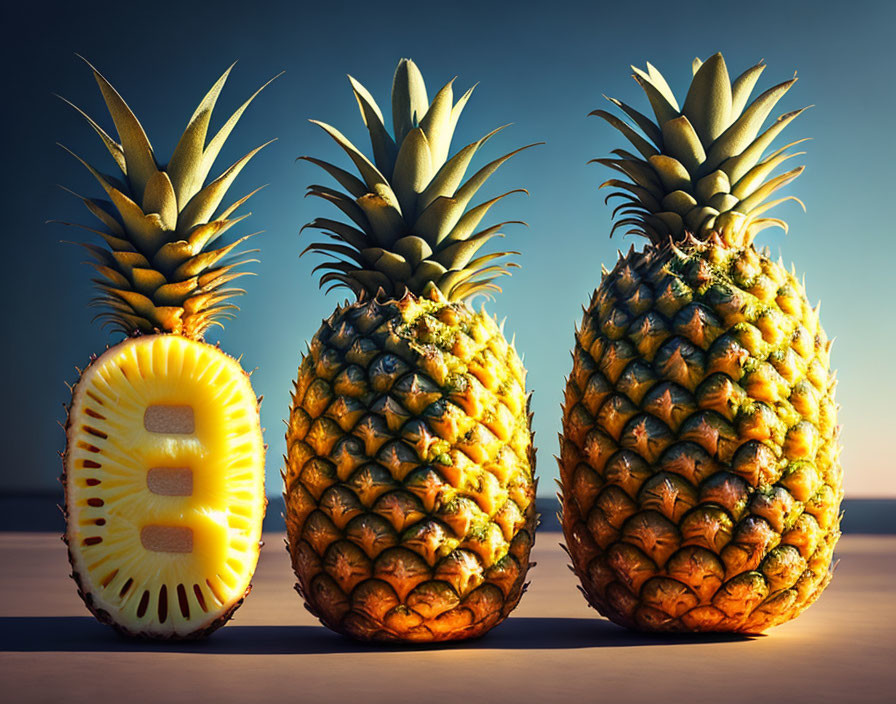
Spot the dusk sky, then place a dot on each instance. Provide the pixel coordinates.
(540, 66)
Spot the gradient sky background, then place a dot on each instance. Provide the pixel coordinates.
(542, 66)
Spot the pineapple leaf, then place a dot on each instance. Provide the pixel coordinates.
(413, 170)
(681, 141)
(708, 186)
(203, 205)
(393, 265)
(679, 201)
(386, 223)
(656, 78)
(452, 172)
(146, 231)
(757, 226)
(426, 271)
(432, 224)
(414, 249)
(664, 108)
(197, 264)
(205, 233)
(754, 178)
(744, 130)
(230, 209)
(768, 205)
(173, 294)
(214, 146)
(104, 217)
(466, 192)
(139, 159)
(708, 102)
(644, 196)
(738, 165)
(672, 173)
(159, 198)
(146, 281)
(459, 107)
(409, 101)
(742, 87)
(354, 237)
(470, 220)
(187, 158)
(642, 173)
(325, 247)
(638, 142)
(436, 124)
(458, 254)
(376, 182)
(347, 205)
(750, 204)
(114, 147)
(384, 149)
(371, 280)
(114, 277)
(348, 181)
(647, 125)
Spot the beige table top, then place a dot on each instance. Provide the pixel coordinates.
(553, 648)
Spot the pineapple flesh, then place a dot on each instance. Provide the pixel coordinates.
(164, 461)
(700, 472)
(409, 482)
(163, 497)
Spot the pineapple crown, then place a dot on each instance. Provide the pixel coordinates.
(160, 271)
(701, 168)
(412, 228)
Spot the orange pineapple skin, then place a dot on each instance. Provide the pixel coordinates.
(409, 480)
(700, 475)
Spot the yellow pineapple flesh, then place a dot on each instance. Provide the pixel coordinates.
(164, 477)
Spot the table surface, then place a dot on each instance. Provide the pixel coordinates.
(843, 649)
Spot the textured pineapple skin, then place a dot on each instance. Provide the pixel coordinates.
(700, 472)
(409, 480)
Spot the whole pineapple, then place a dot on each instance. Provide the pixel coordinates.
(699, 456)
(409, 480)
(164, 462)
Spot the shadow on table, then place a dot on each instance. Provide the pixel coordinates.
(84, 634)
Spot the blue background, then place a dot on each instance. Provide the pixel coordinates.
(542, 66)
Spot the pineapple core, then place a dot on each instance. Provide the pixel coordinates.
(165, 485)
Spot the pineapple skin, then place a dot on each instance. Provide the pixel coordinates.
(75, 533)
(700, 473)
(409, 483)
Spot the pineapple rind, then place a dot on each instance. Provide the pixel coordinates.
(700, 474)
(239, 503)
(409, 483)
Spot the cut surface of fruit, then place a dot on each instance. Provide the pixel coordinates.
(164, 478)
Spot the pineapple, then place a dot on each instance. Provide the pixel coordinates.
(164, 463)
(409, 481)
(699, 456)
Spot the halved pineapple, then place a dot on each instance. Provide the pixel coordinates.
(164, 478)
(164, 464)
